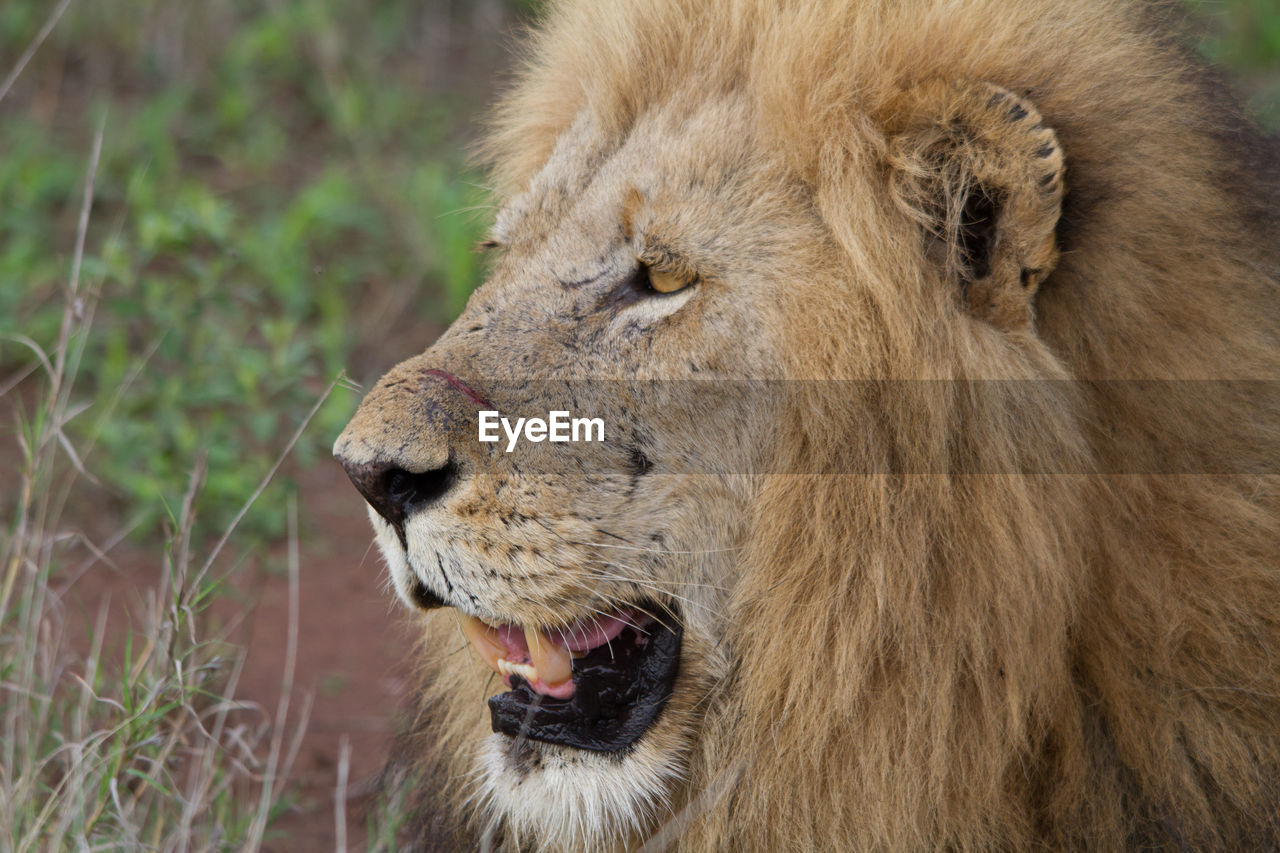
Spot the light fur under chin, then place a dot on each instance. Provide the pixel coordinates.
(574, 800)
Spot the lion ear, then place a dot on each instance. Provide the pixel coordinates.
(976, 166)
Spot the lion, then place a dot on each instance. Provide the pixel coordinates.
(936, 345)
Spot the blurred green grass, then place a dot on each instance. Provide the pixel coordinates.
(282, 187)
(1243, 36)
(281, 195)
(276, 181)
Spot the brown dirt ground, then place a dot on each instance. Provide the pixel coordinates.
(353, 644)
(353, 657)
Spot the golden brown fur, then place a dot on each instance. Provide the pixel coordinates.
(1028, 614)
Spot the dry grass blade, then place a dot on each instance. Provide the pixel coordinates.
(266, 481)
(702, 802)
(340, 796)
(125, 739)
(49, 24)
(271, 774)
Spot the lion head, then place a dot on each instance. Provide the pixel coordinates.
(933, 348)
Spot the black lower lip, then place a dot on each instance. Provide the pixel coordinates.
(618, 693)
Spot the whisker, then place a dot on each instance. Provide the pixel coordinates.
(653, 583)
(649, 586)
(630, 546)
(654, 580)
(620, 604)
(655, 550)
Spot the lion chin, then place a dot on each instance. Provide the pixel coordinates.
(922, 358)
(560, 798)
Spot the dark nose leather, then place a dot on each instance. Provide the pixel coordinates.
(395, 493)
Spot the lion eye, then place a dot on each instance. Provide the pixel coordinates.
(665, 282)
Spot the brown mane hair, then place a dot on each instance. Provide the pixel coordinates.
(1047, 610)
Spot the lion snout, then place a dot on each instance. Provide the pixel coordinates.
(400, 447)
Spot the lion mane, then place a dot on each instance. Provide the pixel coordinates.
(1039, 605)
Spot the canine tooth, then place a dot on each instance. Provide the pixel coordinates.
(551, 661)
(484, 640)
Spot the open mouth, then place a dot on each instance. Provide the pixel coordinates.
(597, 685)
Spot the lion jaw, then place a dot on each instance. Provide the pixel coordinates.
(559, 798)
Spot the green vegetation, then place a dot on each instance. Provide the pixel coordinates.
(204, 209)
(279, 194)
(131, 737)
(1243, 36)
(263, 174)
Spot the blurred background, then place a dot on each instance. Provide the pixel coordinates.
(219, 220)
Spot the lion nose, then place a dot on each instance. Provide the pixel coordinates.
(396, 493)
(403, 448)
